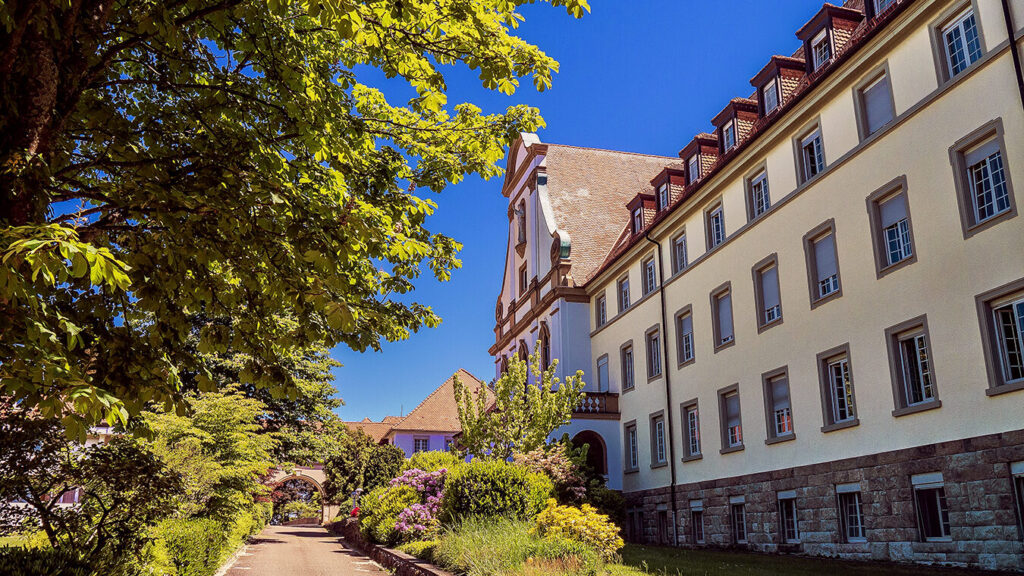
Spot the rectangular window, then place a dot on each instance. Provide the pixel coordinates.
(984, 190)
(770, 94)
(691, 431)
(627, 367)
(679, 254)
(448, 443)
(766, 292)
(812, 155)
(697, 526)
(961, 43)
(875, 105)
(638, 220)
(623, 291)
(911, 367)
(728, 136)
(653, 354)
(837, 389)
(778, 406)
(759, 200)
(789, 525)
(822, 263)
(1009, 322)
(420, 444)
(650, 276)
(663, 197)
(892, 236)
(821, 48)
(602, 373)
(601, 310)
(684, 336)
(851, 513)
(732, 423)
(715, 222)
(721, 308)
(738, 516)
(632, 448)
(693, 169)
(932, 511)
(658, 451)
(1017, 470)
(523, 283)
(1001, 314)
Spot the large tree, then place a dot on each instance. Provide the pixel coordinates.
(161, 159)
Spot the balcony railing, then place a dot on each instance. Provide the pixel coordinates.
(598, 404)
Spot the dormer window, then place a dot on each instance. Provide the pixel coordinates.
(728, 136)
(663, 197)
(770, 96)
(821, 49)
(693, 169)
(882, 5)
(638, 220)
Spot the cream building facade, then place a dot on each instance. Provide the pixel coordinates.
(814, 317)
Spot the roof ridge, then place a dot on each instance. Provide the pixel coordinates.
(436, 390)
(608, 150)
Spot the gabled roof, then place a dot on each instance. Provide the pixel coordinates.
(587, 188)
(439, 411)
(375, 430)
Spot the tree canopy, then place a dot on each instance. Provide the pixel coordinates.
(168, 160)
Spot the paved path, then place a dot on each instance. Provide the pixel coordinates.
(301, 551)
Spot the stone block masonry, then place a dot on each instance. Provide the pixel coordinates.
(977, 481)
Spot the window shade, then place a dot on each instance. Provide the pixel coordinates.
(893, 210)
(780, 393)
(724, 316)
(732, 410)
(770, 287)
(686, 324)
(981, 152)
(877, 105)
(825, 257)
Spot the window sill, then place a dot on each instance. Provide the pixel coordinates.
(914, 409)
(686, 363)
(762, 327)
(693, 457)
(841, 425)
(628, 390)
(780, 439)
(659, 465)
(631, 471)
(826, 299)
(725, 345)
(732, 449)
(972, 229)
(1004, 388)
(890, 268)
(653, 378)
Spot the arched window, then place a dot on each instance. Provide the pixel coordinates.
(544, 341)
(504, 364)
(524, 352)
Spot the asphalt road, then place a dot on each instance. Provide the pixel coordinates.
(301, 551)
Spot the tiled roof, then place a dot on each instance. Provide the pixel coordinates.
(375, 430)
(588, 190)
(439, 411)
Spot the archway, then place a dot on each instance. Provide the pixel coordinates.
(312, 476)
(596, 453)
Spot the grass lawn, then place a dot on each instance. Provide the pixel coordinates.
(685, 562)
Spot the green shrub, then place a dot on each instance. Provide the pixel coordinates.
(494, 488)
(584, 524)
(422, 549)
(608, 502)
(41, 562)
(432, 461)
(194, 546)
(378, 512)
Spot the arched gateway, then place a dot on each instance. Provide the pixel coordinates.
(313, 475)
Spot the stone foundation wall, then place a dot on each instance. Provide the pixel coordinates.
(977, 480)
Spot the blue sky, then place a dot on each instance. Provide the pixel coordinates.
(636, 75)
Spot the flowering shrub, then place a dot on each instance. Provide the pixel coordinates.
(380, 509)
(426, 483)
(583, 524)
(554, 461)
(419, 521)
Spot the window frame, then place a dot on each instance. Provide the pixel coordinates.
(879, 243)
(738, 503)
(627, 369)
(728, 128)
(895, 336)
(664, 196)
(784, 499)
(649, 275)
(774, 83)
(986, 303)
(607, 370)
(622, 293)
(716, 207)
(860, 103)
(601, 309)
(991, 131)
(757, 209)
(723, 393)
(757, 274)
(677, 240)
(697, 520)
(851, 491)
(716, 329)
(681, 359)
(653, 351)
(825, 360)
(773, 437)
(824, 36)
(817, 233)
(523, 280)
(1017, 479)
(690, 162)
(931, 482)
(638, 219)
(657, 418)
(937, 31)
(631, 453)
(810, 130)
(415, 442)
(685, 409)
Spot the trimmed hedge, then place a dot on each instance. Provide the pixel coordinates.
(194, 546)
(41, 562)
(378, 512)
(494, 488)
(432, 461)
